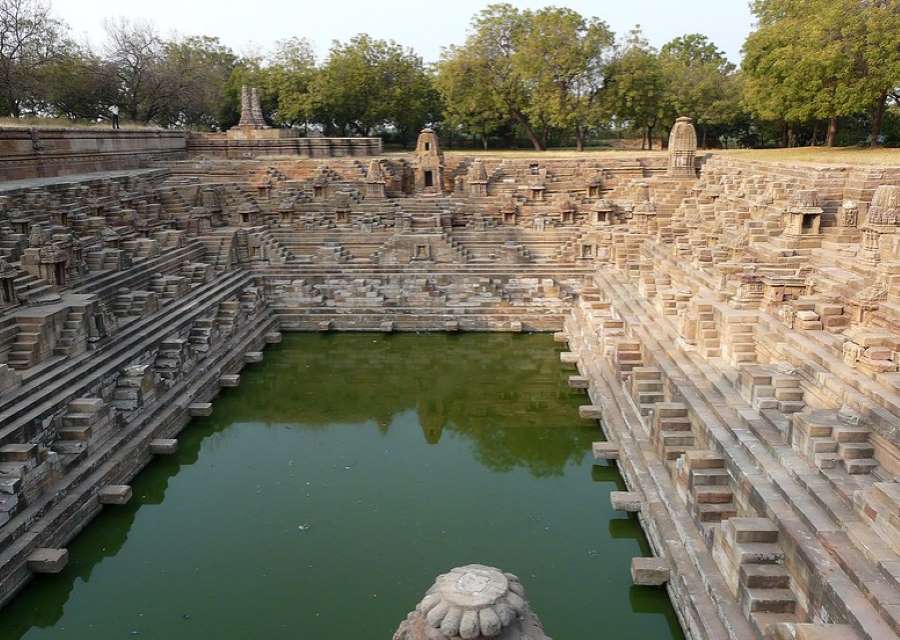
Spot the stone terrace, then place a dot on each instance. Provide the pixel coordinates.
(735, 328)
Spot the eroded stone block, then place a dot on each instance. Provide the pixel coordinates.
(163, 446)
(200, 409)
(48, 560)
(115, 494)
(629, 501)
(651, 572)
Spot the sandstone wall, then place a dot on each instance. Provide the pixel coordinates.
(219, 146)
(40, 153)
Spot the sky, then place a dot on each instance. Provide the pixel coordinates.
(248, 26)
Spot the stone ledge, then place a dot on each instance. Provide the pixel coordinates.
(590, 412)
(579, 382)
(650, 572)
(252, 357)
(115, 494)
(229, 380)
(163, 446)
(47, 560)
(200, 409)
(629, 501)
(605, 451)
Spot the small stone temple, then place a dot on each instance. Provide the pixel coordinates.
(732, 325)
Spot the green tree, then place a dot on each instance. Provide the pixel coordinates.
(290, 77)
(700, 82)
(821, 60)
(564, 57)
(79, 85)
(469, 103)
(31, 39)
(195, 71)
(636, 88)
(368, 83)
(495, 35)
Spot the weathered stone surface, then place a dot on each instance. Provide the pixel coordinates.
(115, 494)
(200, 409)
(45, 560)
(629, 501)
(472, 603)
(649, 571)
(163, 446)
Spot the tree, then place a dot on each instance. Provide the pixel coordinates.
(700, 82)
(195, 71)
(821, 59)
(637, 86)
(30, 40)
(469, 103)
(496, 33)
(564, 58)
(79, 85)
(290, 77)
(366, 83)
(136, 50)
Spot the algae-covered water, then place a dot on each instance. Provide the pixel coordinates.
(326, 492)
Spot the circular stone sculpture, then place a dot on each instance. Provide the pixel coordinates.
(471, 603)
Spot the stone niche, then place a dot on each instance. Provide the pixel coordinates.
(429, 167)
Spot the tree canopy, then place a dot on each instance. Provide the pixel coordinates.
(812, 70)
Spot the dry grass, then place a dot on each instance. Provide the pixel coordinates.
(65, 123)
(820, 155)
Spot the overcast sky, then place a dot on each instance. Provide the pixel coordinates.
(425, 26)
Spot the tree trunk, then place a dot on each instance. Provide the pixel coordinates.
(579, 138)
(877, 117)
(784, 134)
(791, 136)
(650, 138)
(529, 131)
(815, 133)
(702, 136)
(832, 131)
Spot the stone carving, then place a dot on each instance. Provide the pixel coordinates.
(682, 149)
(885, 208)
(471, 603)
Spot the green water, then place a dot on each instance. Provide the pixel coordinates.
(325, 493)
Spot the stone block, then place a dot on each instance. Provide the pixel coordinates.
(605, 451)
(325, 325)
(590, 412)
(229, 380)
(115, 494)
(47, 560)
(579, 382)
(567, 357)
(629, 501)
(451, 326)
(515, 326)
(387, 326)
(560, 337)
(200, 409)
(163, 446)
(18, 452)
(273, 337)
(251, 357)
(651, 572)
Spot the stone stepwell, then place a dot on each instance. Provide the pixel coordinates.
(734, 324)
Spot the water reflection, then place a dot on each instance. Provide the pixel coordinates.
(358, 436)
